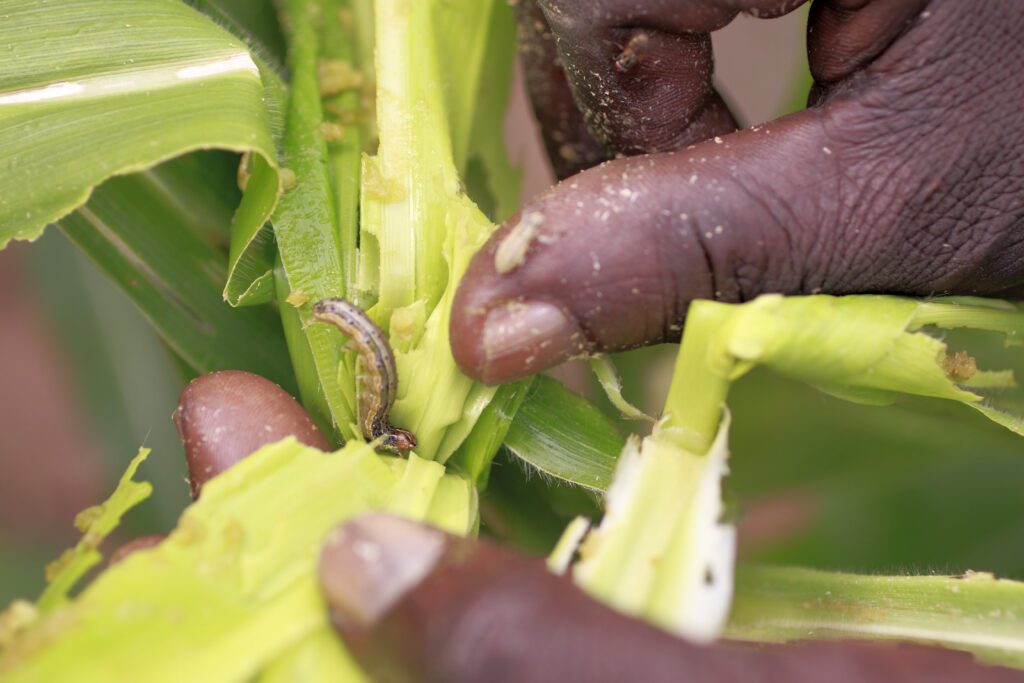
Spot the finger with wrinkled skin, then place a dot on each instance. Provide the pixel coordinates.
(224, 416)
(844, 35)
(908, 179)
(642, 90)
(415, 604)
(641, 71)
(620, 250)
(570, 146)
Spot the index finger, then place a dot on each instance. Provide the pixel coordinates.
(641, 72)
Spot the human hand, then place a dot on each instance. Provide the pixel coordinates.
(416, 605)
(905, 175)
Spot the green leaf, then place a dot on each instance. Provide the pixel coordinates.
(142, 238)
(305, 220)
(608, 377)
(476, 452)
(303, 363)
(561, 434)
(427, 370)
(476, 67)
(249, 277)
(253, 20)
(95, 524)
(252, 254)
(255, 23)
(864, 348)
(975, 612)
(233, 589)
(95, 88)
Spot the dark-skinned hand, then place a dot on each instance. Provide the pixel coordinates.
(904, 175)
(415, 605)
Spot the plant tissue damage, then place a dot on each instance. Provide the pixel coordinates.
(391, 226)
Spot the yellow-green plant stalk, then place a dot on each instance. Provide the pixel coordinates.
(662, 550)
(608, 377)
(976, 611)
(400, 253)
(867, 349)
(418, 226)
(231, 594)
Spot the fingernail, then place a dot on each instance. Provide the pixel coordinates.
(369, 563)
(224, 416)
(521, 338)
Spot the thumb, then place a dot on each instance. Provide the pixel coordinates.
(883, 186)
(414, 604)
(610, 259)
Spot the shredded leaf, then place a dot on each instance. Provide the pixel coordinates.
(662, 551)
(608, 376)
(562, 555)
(95, 524)
(232, 591)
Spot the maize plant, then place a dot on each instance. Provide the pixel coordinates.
(231, 195)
